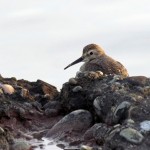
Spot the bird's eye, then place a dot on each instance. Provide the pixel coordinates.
(91, 53)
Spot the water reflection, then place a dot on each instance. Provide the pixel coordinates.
(44, 144)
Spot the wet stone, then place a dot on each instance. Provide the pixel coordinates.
(89, 134)
(98, 105)
(138, 80)
(79, 74)
(79, 120)
(24, 93)
(7, 89)
(60, 145)
(100, 133)
(37, 105)
(21, 111)
(77, 89)
(1, 130)
(132, 135)
(145, 126)
(122, 111)
(53, 105)
(84, 147)
(4, 142)
(51, 112)
(1, 92)
(28, 105)
(20, 144)
(116, 78)
(129, 122)
(73, 81)
(146, 90)
(45, 88)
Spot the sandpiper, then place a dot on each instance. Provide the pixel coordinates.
(96, 59)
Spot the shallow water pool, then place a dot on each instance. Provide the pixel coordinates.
(44, 144)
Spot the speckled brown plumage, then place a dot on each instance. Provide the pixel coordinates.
(96, 59)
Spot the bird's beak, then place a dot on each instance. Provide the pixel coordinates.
(75, 62)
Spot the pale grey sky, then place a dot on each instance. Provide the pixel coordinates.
(39, 38)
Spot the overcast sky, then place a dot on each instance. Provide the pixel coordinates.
(38, 38)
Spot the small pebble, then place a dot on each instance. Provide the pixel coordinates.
(121, 109)
(28, 105)
(51, 112)
(77, 89)
(99, 73)
(132, 135)
(129, 122)
(145, 125)
(1, 92)
(8, 89)
(37, 105)
(84, 147)
(73, 81)
(47, 96)
(20, 144)
(115, 78)
(80, 74)
(24, 93)
(1, 130)
(21, 111)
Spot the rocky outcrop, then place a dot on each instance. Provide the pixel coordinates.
(119, 107)
(90, 112)
(22, 114)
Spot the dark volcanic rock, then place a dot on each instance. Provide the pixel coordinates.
(51, 112)
(76, 121)
(108, 94)
(138, 81)
(43, 88)
(117, 104)
(6, 138)
(97, 131)
(103, 112)
(53, 105)
(22, 111)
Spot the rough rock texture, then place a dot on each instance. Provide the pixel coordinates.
(5, 139)
(90, 112)
(109, 92)
(77, 121)
(22, 115)
(117, 104)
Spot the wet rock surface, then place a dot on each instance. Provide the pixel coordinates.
(119, 106)
(22, 115)
(92, 111)
(76, 121)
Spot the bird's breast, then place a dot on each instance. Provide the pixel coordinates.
(94, 65)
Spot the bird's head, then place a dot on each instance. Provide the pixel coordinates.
(90, 52)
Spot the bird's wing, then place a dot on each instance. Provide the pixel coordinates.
(112, 66)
